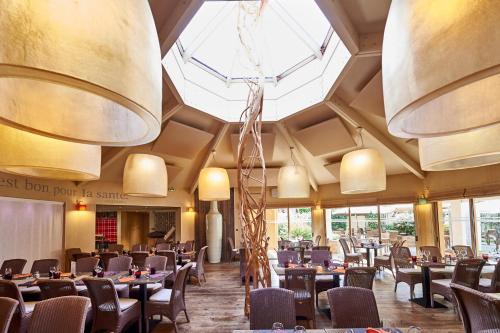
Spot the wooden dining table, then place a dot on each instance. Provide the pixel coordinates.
(369, 247)
(353, 330)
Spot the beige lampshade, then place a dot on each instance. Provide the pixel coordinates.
(86, 71)
(293, 182)
(362, 171)
(441, 66)
(145, 176)
(213, 184)
(459, 151)
(28, 154)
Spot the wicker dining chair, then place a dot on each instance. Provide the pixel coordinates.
(323, 282)
(170, 302)
(22, 316)
(43, 266)
(7, 308)
(317, 240)
(467, 273)
(61, 314)
(405, 272)
(287, 256)
(302, 282)
(118, 248)
(105, 257)
(385, 261)
(348, 255)
(111, 313)
(16, 265)
(119, 264)
(319, 256)
(198, 270)
(69, 256)
(479, 311)
(81, 255)
(461, 248)
(57, 288)
(139, 248)
(345, 309)
(271, 305)
(139, 258)
(85, 265)
(321, 247)
(235, 253)
(491, 285)
(361, 277)
(157, 262)
(163, 246)
(433, 251)
(171, 265)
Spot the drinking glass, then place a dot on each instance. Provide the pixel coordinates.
(148, 270)
(52, 269)
(277, 327)
(8, 274)
(299, 329)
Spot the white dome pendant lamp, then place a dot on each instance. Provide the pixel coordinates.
(146, 176)
(441, 66)
(84, 71)
(362, 171)
(213, 186)
(293, 181)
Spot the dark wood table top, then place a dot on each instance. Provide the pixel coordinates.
(320, 269)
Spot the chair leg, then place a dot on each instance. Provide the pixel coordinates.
(412, 291)
(432, 300)
(175, 326)
(395, 286)
(139, 325)
(186, 314)
(204, 278)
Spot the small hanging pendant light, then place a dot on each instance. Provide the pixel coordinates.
(213, 184)
(362, 171)
(145, 176)
(293, 181)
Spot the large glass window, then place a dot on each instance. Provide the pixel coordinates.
(397, 223)
(487, 212)
(364, 222)
(300, 223)
(454, 223)
(337, 225)
(277, 225)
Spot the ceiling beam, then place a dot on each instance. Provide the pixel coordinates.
(206, 159)
(355, 119)
(341, 23)
(297, 153)
(370, 45)
(176, 21)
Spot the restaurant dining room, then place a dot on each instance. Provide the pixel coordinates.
(249, 166)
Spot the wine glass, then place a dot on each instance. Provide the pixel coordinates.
(277, 327)
(52, 269)
(299, 329)
(148, 270)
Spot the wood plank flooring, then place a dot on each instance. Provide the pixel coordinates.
(217, 306)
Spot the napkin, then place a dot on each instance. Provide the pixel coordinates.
(127, 279)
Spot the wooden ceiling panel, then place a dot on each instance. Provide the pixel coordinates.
(326, 137)
(271, 173)
(334, 169)
(172, 172)
(371, 97)
(181, 140)
(267, 145)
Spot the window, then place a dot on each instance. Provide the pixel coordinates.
(337, 222)
(300, 223)
(277, 225)
(487, 211)
(364, 222)
(454, 223)
(397, 223)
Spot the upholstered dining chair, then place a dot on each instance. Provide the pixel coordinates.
(119, 264)
(43, 266)
(157, 262)
(105, 257)
(198, 270)
(361, 277)
(170, 302)
(288, 256)
(491, 285)
(110, 313)
(270, 305)
(139, 258)
(85, 265)
(405, 272)
(57, 288)
(319, 256)
(345, 309)
(171, 265)
(463, 249)
(348, 255)
(467, 273)
(302, 282)
(323, 282)
(16, 265)
(22, 316)
(7, 308)
(234, 251)
(61, 314)
(384, 261)
(480, 312)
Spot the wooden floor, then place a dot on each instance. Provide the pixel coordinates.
(217, 306)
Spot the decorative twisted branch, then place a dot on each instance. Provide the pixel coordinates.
(253, 205)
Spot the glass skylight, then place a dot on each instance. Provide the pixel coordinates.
(301, 58)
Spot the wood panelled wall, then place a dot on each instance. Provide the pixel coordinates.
(226, 208)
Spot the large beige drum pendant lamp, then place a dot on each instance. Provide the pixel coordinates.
(145, 176)
(441, 66)
(362, 171)
(33, 155)
(213, 184)
(475, 148)
(293, 181)
(86, 71)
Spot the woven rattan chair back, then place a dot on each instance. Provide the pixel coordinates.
(7, 308)
(105, 257)
(361, 277)
(468, 272)
(319, 256)
(162, 246)
(16, 265)
(57, 288)
(43, 265)
(139, 258)
(171, 262)
(157, 262)
(458, 249)
(139, 248)
(401, 256)
(61, 314)
(270, 305)
(345, 246)
(119, 264)
(299, 279)
(10, 290)
(433, 251)
(105, 304)
(288, 256)
(346, 311)
(84, 265)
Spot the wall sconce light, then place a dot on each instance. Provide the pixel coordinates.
(317, 207)
(80, 206)
(190, 210)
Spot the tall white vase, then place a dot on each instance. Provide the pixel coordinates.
(214, 233)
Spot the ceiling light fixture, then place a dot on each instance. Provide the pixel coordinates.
(293, 181)
(213, 184)
(85, 71)
(33, 155)
(441, 67)
(362, 171)
(145, 176)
